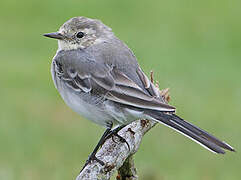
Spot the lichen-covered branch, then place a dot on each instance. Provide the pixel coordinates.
(114, 153)
(117, 155)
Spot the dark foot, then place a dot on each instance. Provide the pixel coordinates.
(94, 158)
(91, 158)
(115, 133)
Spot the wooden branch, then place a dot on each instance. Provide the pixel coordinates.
(116, 155)
(127, 170)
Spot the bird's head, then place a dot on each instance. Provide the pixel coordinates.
(80, 32)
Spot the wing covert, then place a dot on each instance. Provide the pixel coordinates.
(83, 74)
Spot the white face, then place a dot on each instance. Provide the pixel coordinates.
(72, 41)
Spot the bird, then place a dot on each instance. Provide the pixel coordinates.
(98, 76)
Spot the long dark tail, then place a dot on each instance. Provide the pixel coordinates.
(196, 134)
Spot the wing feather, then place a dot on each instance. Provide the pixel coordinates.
(89, 76)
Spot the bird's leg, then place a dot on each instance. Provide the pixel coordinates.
(114, 132)
(92, 156)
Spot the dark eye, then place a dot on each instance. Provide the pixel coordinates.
(80, 34)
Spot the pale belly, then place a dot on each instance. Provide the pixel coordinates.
(89, 110)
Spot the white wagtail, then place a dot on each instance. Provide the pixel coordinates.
(98, 76)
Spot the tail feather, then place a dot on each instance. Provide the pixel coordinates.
(203, 133)
(196, 134)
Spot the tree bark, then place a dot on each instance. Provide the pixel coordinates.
(117, 156)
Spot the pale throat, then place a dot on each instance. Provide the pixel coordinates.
(63, 45)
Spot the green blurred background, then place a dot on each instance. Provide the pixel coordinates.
(194, 47)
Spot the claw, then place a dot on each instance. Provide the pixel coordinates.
(91, 158)
(123, 141)
(99, 161)
(115, 133)
(113, 139)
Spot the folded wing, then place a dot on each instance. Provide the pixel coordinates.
(83, 74)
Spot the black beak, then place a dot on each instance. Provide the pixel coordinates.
(55, 35)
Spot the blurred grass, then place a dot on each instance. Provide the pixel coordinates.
(194, 47)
